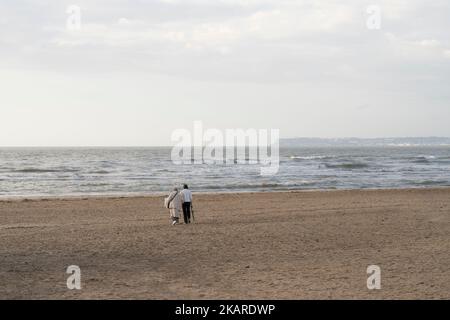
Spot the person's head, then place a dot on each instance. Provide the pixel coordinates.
(185, 186)
(175, 189)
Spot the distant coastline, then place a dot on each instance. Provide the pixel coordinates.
(368, 142)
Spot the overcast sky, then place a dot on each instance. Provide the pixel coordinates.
(137, 70)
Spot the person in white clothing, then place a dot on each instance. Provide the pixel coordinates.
(175, 205)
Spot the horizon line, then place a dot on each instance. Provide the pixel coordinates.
(169, 146)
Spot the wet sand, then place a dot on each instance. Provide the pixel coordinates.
(279, 245)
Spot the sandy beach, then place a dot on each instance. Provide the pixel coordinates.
(284, 245)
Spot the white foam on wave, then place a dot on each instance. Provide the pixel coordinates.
(309, 157)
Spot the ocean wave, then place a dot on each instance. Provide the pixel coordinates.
(354, 165)
(300, 158)
(99, 172)
(42, 170)
(433, 183)
(421, 161)
(423, 158)
(95, 185)
(258, 186)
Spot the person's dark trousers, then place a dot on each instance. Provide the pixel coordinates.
(187, 212)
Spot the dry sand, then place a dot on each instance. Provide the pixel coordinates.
(291, 245)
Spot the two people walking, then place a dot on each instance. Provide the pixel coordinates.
(180, 202)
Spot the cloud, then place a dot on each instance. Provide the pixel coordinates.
(256, 41)
(257, 62)
(447, 53)
(284, 22)
(419, 49)
(245, 40)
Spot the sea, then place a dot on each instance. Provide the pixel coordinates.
(56, 172)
